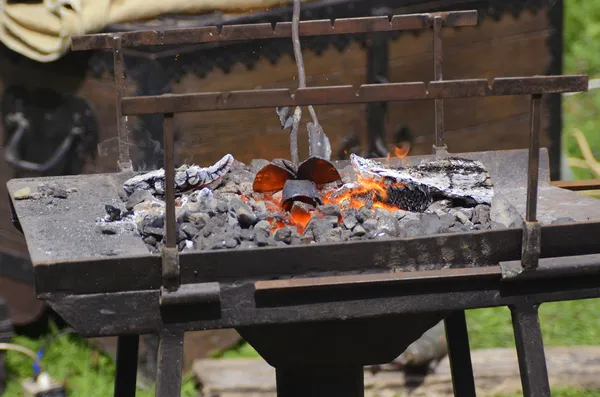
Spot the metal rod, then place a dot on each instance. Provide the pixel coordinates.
(377, 70)
(169, 364)
(577, 186)
(347, 381)
(530, 350)
(127, 359)
(534, 158)
(333, 95)
(168, 139)
(261, 31)
(122, 127)
(438, 63)
(459, 353)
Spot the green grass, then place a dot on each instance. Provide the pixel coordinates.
(582, 55)
(86, 372)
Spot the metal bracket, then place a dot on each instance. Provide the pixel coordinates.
(532, 242)
(170, 268)
(192, 294)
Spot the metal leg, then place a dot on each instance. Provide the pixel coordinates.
(530, 350)
(127, 359)
(169, 364)
(320, 382)
(459, 353)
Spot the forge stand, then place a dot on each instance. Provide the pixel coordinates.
(317, 329)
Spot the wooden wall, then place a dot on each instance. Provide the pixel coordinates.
(509, 47)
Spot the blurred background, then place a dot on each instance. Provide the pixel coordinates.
(60, 92)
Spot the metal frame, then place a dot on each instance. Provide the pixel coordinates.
(271, 313)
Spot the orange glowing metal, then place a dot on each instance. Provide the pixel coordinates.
(402, 150)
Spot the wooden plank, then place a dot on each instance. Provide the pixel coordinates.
(496, 372)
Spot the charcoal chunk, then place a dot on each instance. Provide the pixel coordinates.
(137, 197)
(330, 210)
(387, 225)
(247, 245)
(503, 212)
(358, 231)
(350, 221)
(114, 214)
(364, 213)
(189, 230)
(284, 234)
(481, 214)
(198, 219)
(265, 241)
(157, 232)
(262, 228)
(150, 240)
(247, 235)
(370, 224)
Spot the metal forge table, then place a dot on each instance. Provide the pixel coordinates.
(317, 313)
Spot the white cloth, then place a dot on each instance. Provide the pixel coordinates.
(42, 31)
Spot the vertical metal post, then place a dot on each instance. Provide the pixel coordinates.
(531, 243)
(169, 364)
(169, 180)
(534, 158)
(530, 350)
(123, 133)
(170, 258)
(459, 353)
(377, 72)
(438, 62)
(127, 359)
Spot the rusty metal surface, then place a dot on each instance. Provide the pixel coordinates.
(266, 286)
(261, 31)
(334, 95)
(577, 186)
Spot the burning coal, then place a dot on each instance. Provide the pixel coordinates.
(230, 204)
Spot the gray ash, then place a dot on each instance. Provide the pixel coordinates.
(228, 214)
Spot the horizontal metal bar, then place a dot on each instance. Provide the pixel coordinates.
(590, 184)
(372, 279)
(347, 94)
(580, 265)
(191, 294)
(261, 31)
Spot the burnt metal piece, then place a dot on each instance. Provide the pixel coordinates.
(299, 190)
(275, 175)
(272, 177)
(318, 170)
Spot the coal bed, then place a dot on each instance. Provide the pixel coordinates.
(120, 214)
(227, 206)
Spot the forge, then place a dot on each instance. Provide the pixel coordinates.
(323, 266)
